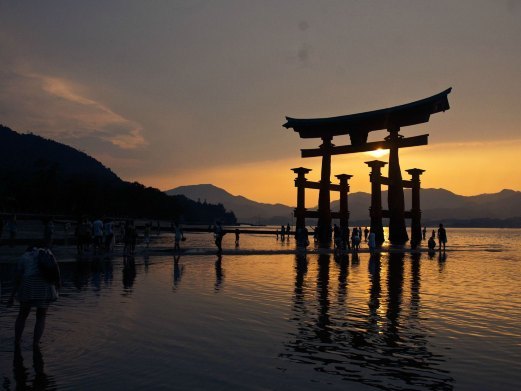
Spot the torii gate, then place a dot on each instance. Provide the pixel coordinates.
(358, 126)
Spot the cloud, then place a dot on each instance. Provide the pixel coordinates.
(61, 109)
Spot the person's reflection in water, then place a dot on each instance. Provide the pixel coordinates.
(96, 267)
(41, 381)
(301, 269)
(146, 260)
(219, 275)
(129, 273)
(355, 261)
(442, 257)
(375, 290)
(342, 261)
(177, 272)
(82, 272)
(20, 372)
(415, 285)
(108, 272)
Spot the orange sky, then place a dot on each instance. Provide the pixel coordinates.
(464, 168)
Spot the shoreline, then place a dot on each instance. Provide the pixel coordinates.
(69, 254)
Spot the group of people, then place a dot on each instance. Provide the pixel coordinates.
(284, 232)
(98, 233)
(442, 238)
(344, 239)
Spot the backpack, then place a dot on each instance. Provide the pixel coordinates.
(48, 267)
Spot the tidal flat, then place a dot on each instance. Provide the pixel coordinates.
(390, 321)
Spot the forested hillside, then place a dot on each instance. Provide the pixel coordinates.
(43, 176)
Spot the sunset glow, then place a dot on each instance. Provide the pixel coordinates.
(379, 153)
(210, 108)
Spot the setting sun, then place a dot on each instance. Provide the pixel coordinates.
(379, 152)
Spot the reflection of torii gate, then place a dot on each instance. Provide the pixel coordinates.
(358, 126)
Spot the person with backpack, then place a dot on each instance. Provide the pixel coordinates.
(36, 284)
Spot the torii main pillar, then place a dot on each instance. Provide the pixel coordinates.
(300, 184)
(416, 226)
(324, 198)
(344, 200)
(375, 211)
(397, 231)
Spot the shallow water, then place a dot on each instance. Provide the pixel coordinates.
(281, 321)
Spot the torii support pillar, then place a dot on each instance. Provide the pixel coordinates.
(416, 226)
(324, 199)
(344, 201)
(397, 231)
(300, 184)
(375, 211)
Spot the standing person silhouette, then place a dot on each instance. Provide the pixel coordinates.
(372, 242)
(146, 235)
(178, 232)
(34, 287)
(97, 231)
(442, 237)
(237, 237)
(355, 238)
(218, 235)
(337, 238)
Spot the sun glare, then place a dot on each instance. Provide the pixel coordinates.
(379, 152)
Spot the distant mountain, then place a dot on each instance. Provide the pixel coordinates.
(246, 211)
(438, 205)
(43, 176)
(442, 205)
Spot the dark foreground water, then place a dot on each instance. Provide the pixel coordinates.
(391, 322)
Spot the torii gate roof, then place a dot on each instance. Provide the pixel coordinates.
(359, 125)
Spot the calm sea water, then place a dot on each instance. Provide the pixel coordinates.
(391, 322)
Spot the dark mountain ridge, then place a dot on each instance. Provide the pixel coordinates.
(29, 153)
(46, 177)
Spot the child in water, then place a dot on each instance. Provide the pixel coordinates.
(431, 243)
